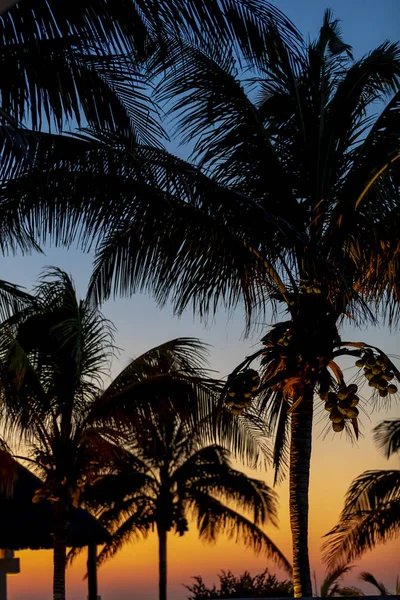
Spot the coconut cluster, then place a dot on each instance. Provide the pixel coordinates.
(377, 371)
(240, 390)
(341, 405)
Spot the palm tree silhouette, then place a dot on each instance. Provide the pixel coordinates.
(291, 200)
(371, 513)
(172, 476)
(54, 356)
(331, 585)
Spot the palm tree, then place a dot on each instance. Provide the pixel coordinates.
(54, 356)
(371, 513)
(369, 578)
(173, 476)
(292, 201)
(331, 585)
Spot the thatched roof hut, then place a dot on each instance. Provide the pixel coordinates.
(25, 525)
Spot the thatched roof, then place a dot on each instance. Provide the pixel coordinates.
(26, 525)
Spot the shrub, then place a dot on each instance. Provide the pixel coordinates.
(264, 585)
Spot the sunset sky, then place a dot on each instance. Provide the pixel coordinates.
(141, 325)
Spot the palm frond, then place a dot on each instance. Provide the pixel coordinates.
(274, 409)
(369, 578)
(332, 579)
(209, 469)
(213, 519)
(330, 37)
(170, 377)
(371, 490)
(355, 535)
(53, 59)
(135, 527)
(246, 436)
(387, 436)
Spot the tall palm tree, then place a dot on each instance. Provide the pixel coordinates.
(291, 200)
(172, 476)
(371, 513)
(54, 356)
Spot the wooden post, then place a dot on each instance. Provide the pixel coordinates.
(8, 564)
(92, 571)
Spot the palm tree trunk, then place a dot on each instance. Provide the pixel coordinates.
(162, 554)
(60, 528)
(59, 561)
(300, 456)
(92, 571)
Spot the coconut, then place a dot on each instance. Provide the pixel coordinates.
(231, 393)
(323, 395)
(352, 388)
(236, 411)
(342, 393)
(351, 413)
(387, 375)
(383, 393)
(354, 401)
(229, 402)
(392, 389)
(381, 362)
(369, 376)
(336, 416)
(360, 363)
(376, 370)
(371, 361)
(338, 427)
(330, 405)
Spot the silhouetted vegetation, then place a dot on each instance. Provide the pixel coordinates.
(264, 585)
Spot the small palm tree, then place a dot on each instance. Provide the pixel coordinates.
(54, 356)
(172, 476)
(331, 584)
(370, 578)
(371, 514)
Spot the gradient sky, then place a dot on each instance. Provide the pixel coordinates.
(141, 325)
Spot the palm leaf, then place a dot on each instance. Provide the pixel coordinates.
(369, 578)
(332, 579)
(387, 436)
(213, 518)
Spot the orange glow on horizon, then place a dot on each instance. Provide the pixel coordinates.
(133, 572)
